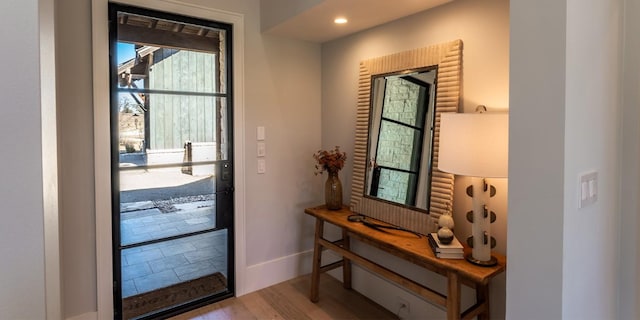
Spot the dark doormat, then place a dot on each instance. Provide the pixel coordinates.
(176, 294)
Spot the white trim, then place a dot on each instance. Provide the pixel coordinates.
(102, 135)
(280, 269)
(49, 136)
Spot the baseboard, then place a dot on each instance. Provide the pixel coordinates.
(85, 316)
(272, 272)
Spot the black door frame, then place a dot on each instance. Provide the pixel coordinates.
(225, 181)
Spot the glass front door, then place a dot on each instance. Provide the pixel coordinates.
(172, 162)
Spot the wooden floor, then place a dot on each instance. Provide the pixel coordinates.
(290, 300)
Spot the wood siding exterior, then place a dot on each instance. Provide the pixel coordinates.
(175, 119)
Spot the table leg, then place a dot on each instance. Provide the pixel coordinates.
(346, 263)
(317, 257)
(453, 296)
(482, 296)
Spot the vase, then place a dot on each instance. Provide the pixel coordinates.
(333, 191)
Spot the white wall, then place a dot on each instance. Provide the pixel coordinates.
(592, 101)
(283, 95)
(21, 231)
(536, 160)
(30, 279)
(483, 27)
(564, 88)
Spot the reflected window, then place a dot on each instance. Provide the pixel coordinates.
(401, 138)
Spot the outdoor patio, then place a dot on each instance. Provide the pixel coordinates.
(162, 264)
(174, 204)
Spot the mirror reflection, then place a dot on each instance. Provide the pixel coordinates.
(401, 137)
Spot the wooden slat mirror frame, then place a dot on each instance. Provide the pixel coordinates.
(447, 57)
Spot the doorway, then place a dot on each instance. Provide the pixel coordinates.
(171, 161)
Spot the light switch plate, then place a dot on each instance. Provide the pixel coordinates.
(587, 189)
(261, 149)
(260, 133)
(262, 166)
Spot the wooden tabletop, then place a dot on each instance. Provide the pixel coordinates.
(408, 246)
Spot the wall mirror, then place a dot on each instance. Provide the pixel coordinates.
(401, 121)
(400, 99)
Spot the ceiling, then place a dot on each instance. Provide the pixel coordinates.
(315, 21)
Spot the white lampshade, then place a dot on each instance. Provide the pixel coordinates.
(474, 144)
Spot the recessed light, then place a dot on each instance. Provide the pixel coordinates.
(340, 20)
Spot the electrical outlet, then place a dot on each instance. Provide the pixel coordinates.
(402, 308)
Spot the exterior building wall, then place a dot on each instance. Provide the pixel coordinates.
(400, 103)
(175, 119)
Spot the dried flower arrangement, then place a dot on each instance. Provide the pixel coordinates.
(331, 161)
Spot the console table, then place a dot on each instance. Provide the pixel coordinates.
(406, 246)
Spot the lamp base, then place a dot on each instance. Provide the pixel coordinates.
(489, 263)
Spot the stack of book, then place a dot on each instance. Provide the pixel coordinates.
(452, 250)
